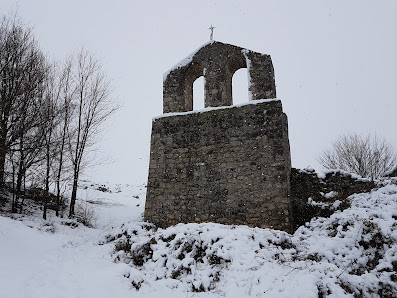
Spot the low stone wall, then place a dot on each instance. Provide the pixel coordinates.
(338, 185)
(229, 165)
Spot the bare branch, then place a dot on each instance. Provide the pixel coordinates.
(368, 156)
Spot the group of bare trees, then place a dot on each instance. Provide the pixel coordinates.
(50, 113)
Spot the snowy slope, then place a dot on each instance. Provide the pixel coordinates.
(50, 259)
(352, 253)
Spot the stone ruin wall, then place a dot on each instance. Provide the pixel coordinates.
(307, 184)
(228, 165)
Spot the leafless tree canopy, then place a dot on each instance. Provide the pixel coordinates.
(368, 156)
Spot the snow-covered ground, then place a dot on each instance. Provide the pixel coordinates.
(352, 253)
(51, 259)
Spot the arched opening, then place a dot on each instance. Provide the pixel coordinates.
(240, 86)
(198, 94)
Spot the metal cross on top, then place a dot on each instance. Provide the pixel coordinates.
(212, 32)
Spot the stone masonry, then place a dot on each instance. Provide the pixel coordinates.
(229, 165)
(217, 62)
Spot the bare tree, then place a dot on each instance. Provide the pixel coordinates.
(51, 114)
(30, 125)
(46, 112)
(22, 71)
(92, 107)
(38, 159)
(368, 156)
(63, 130)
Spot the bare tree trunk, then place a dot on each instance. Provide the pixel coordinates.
(58, 178)
(68, 91)
(13, 205)
(77, 161)
(20, 174)
(19, 195)
(2, 165)
(48, 168)
(58, 186)
(47, 179)
(74, 193)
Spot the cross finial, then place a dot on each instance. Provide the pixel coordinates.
(212, 32)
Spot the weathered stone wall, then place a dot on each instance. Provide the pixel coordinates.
(229, 165)
(306, 184)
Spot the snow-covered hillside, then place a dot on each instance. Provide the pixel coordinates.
(351, 254)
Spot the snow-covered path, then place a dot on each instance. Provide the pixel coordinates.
(68, 263)
(39, 264)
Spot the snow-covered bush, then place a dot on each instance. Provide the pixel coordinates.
(352, 253)
(196, 254)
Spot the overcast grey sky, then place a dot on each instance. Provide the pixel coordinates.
(335, 63)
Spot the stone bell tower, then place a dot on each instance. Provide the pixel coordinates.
(226, 164)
